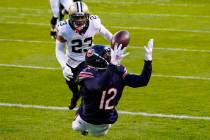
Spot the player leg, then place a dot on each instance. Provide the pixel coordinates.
(86, 128)
(73, 85)
(66, 4)
(55, 9)
(64, 8)
(98, 130)
(79, 125)
(61, 12)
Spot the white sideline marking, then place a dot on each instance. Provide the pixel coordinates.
(155, 75)
(120, 112)
(136, 47)
(118, 27)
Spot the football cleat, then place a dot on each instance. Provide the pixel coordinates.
(73, 103)
(84, 133)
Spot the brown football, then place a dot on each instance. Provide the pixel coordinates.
(121, 37)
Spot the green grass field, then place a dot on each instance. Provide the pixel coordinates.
(180, 84)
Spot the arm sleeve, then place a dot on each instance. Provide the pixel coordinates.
(106, 33)
(60, 55)
(133, 80)
(55, 7)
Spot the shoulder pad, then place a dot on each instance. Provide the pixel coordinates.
(61, 25)
(95, 20)
(86, 73)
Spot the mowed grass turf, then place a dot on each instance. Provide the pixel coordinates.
(181, 30)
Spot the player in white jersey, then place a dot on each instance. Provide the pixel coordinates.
(76, 34)
(59, 9)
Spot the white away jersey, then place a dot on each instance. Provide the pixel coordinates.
(78, 44)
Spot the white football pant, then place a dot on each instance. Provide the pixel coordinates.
(96, 130)
(55, 6)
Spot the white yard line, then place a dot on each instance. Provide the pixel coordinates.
(120, 112)
(121, 13)
(157, 2)
(22, 14)
(28, 66)
(154, 75)
(182, 77)
(118, 27)
(134, 47)
(161, 3)
(153, 15)
(25, 41)
(24, 23)
(160, 29)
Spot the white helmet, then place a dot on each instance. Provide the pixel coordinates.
(79, 14)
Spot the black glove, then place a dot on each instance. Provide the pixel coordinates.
(53, 34)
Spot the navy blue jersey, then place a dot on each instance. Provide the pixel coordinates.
(102, 89)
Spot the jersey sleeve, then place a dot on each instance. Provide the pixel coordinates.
(61, 29)
(100, 27)
(134, 80)
(96, 22)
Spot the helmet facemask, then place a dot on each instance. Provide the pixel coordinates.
(79, 21)
(99, 57)
(79, 15)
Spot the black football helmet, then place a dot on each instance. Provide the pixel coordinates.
(79, 15)
(98, 56)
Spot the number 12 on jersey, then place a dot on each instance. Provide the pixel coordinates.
(106, 98)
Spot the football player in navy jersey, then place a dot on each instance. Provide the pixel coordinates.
(102, 83)
(74, 37)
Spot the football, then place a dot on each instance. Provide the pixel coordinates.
(121, 37)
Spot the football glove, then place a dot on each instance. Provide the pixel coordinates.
(53, 23)
(117, 54)
(148, 50)
(67, 73)
(53, 34)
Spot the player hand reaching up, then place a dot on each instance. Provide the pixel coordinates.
(117, 54)
(148, 50)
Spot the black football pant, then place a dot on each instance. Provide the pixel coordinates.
(73, 84)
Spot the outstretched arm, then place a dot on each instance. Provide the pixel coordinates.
(106, 33)
(59, 50)
(134, 80)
